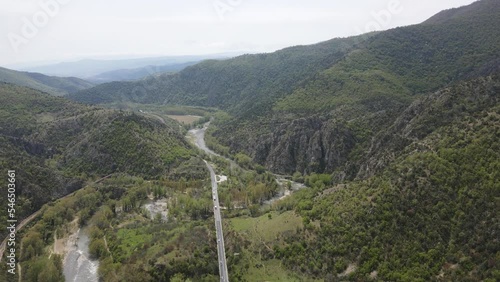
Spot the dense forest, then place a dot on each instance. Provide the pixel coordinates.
(431, 213)
(55, 145)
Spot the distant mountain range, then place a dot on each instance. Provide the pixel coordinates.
(138, 73)
(90, 68)
(64, 78)
(57, 86)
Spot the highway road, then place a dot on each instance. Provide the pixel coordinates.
(221, 251)
(199, 141)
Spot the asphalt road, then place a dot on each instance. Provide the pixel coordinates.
(199, 141)
(218, 227)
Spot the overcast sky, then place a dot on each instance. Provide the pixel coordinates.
(65, 30)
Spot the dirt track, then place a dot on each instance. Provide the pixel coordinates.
(19, 227)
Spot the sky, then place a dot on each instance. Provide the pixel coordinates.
(43, 31)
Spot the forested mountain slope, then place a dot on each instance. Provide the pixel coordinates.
(56, 145)
(137, 73)
(235, 83)
(430, 214)
(57, 86)
(316, 108)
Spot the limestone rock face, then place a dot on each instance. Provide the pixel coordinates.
(305, 145)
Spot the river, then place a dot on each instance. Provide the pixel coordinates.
(284, 191)
(77, 265)
(198, 137)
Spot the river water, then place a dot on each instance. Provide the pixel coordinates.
(198, 135)
(77, 265)
(199, 139)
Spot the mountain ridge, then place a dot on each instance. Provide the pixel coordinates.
(57, 86)
(378, 74)
(138, 73)
(484, 6)
(87, 68)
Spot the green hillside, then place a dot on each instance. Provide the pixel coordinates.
(138, 73)
(57, 86)
(355, 86)
(55, 145)
(406, 61)
(433, 212)
(246, 81)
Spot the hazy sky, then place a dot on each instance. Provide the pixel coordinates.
(62, 30)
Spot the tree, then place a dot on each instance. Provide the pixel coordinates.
(50, 273)
(97, 248)
(254, 210)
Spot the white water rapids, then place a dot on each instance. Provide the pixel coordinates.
(77, 266)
